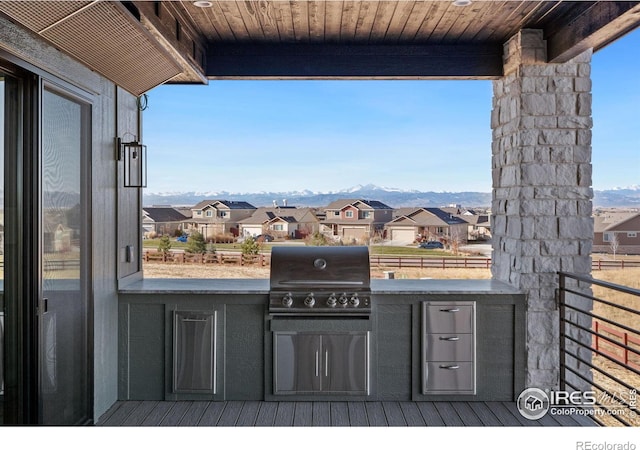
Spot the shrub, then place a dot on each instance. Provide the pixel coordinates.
(164, 245)
(196, 243)
(250, 246)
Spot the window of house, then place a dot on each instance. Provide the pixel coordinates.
(278, 227)
(198, 213)
(632, 234)
(224, 214)
(348, 214)
(209, 213)
(365, 214)
(607, 237)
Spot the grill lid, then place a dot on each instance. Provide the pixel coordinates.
(304, 268)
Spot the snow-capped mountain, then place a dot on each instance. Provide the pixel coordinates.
(394, 197)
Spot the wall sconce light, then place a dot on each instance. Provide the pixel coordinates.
(134, 155)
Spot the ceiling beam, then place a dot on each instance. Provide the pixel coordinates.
(331, 61)
(597, 26)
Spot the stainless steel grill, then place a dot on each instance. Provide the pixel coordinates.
(328, 281)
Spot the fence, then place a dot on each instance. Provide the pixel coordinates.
(206, 258)
(583, 337)
(618, 347)
(383, 261)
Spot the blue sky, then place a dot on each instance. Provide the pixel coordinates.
(250, 136)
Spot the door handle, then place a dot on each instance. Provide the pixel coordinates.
(450, 310)
(45, 305)
(449, 366)
(450, 339)
(326, 363)
(317, 363)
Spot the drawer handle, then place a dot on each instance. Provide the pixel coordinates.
(195, 320)
(451, 338)
(451, 310)
(449, 366)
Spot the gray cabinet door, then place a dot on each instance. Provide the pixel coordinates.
(296, 363)
(345, 363)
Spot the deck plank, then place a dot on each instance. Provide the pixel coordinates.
(467, 415)
(285, 414)
(138, 415)
(375, 414)
(321, 416)
(512, 409)
(339, 414)
(449, 415)
(175, 414)
(357, 414)
(430, 414)
(483, 412)
(248, 414)
(155, 416)
(230, 414)
(267, 414)
(395, 418)
(303, 415)
(412, 414)
(193, 414)
(212, 414)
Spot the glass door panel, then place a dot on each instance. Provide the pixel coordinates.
(2, 344)
(64, 353)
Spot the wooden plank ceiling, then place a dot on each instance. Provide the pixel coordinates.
(364, 38)
(313, 38)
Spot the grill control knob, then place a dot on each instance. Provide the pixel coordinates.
(343, 300)
(287, 300)
(310, 300)
(354, 300)
(332, 300)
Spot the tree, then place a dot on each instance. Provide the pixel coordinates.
(614, 244)
(250, 246)
(196, 243)
(164, 245)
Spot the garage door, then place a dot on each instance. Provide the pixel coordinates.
(403, 235)
(251, 231)
(354, 232)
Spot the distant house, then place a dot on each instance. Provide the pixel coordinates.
(355, 219)
(162, 220)
(426, 224)
(219, 217)
(280, 222)
(617, 229)
(479, 222)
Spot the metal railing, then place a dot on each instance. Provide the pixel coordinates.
(598, 350)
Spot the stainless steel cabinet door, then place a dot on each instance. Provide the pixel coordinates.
(296, 363)
(194, 352)
(345, 363)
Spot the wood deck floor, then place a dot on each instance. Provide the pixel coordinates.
(355, 414)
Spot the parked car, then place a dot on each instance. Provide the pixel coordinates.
(431, 245)
(182, 238)
(264, 238)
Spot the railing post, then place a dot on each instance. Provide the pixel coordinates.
(626, 350)
(597, 330)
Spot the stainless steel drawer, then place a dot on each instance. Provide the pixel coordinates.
(448, 318)
(449, 347)
(453, 377)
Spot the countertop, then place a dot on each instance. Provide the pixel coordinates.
(261, 286)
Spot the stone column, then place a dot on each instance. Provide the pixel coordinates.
(541, 168)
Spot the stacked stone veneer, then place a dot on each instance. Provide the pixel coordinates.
(541, 164)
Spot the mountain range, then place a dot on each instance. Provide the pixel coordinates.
(623, 197)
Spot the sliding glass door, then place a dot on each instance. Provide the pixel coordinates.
(64, 322)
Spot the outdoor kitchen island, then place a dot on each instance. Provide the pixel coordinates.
(213, 339)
